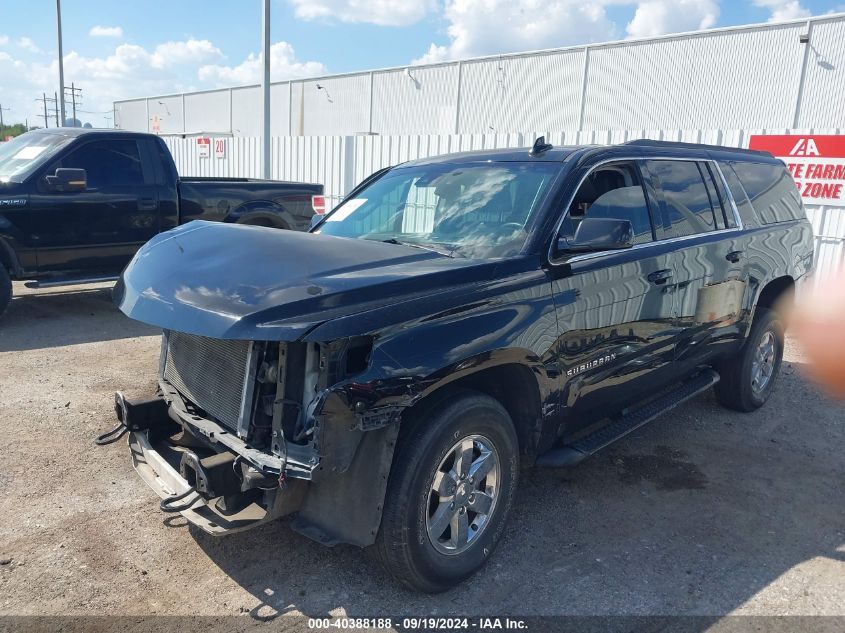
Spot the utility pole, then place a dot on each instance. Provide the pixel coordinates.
(56, 101)
(61, 103)
(265, 92)
(46, 120)
(1, 120)
(73, 90)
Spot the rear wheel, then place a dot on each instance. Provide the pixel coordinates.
(748, 378)
(5, 289)
(449, 495)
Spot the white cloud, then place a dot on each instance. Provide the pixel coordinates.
(381, 12)
(783, 9)
(481, 27)
(187, 52)
(132, 71)
(656, 17)
(4, 39)
(485, 27)
(106, 31)
(283, 65)
(28, 45)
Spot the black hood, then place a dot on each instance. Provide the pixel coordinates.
(256, 283)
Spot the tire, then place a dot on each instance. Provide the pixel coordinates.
(741, 388)
(425, 455)
(5, 289)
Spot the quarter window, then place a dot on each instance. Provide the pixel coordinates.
(688, 205)
(611, 191)
(772, 191)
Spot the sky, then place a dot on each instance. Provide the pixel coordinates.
(118, 50)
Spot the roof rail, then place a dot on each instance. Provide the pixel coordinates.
(645, 142)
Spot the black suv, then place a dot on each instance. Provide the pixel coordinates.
(384, 376)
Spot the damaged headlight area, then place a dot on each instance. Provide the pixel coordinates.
(235, 432)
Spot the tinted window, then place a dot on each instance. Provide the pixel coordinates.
(108, 163)
(772, 191)
(611, 191)
(715, 202)
(743, 206)
(724, 200)
(685, 195)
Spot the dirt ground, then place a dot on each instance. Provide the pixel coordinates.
(704, 511)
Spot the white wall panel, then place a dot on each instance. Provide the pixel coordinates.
(207, 112)
(824, 82)
(422, 100)
(339, 106)
(726, 79)
(131, 115)
(519, 93)
(166, 114)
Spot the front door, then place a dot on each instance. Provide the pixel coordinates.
(99, 229)
(614, 308)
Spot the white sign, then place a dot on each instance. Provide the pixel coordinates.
(204, 146)
(219, 148)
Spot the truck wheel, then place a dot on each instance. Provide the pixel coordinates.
(449, 494)
(748, 377)
(5, 289)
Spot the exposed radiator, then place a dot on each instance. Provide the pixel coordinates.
(209, 372)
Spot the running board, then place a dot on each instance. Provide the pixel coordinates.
(54, 282)
(571, 454)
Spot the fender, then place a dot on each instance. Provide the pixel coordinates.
(359, 428)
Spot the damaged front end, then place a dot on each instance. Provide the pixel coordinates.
(238, 434)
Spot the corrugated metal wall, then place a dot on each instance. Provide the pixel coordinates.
(756, 76)
(340, 162)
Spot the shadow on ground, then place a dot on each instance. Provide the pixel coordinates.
(694, 514)
(65, 317)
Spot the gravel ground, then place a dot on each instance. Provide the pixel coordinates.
(704, 512)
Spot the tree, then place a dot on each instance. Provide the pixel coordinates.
(12, 130)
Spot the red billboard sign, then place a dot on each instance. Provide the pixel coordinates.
(816, 162)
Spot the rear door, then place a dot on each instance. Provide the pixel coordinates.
(614, 308)
(709, 260)
(99, 229)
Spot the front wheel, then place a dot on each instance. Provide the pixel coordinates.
(449, 495)
(748, 378)
(5, 289)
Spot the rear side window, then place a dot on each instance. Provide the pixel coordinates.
(689, 206)
(108, 163)
(772, 191)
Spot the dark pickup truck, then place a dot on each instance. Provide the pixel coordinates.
(76, 204)
(384, 375)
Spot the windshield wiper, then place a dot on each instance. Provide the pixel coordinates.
(425, 247)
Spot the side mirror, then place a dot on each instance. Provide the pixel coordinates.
(598, 234)
(68, 179)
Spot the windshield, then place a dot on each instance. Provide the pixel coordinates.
(20, 156)
(476, 210)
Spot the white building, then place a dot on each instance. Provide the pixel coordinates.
(782, 75)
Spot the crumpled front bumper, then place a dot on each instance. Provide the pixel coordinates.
(156, 468)
(195, 477)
